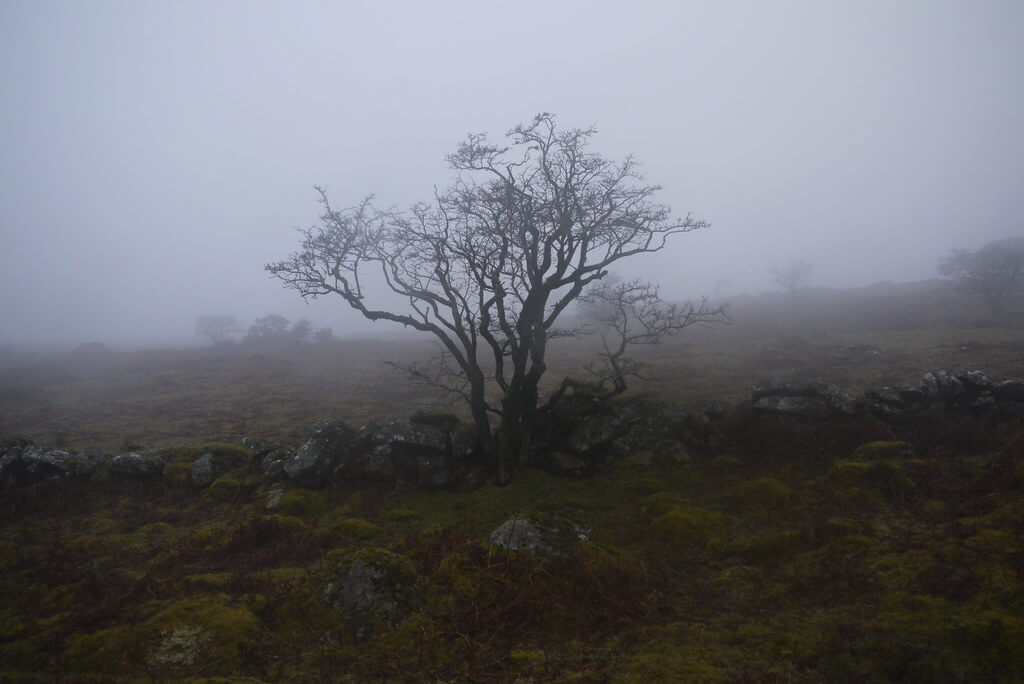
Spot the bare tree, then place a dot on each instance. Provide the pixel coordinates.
(323, 335)
(301, 330)
(996, 271)
(633, 313)
(793, 277)
(216, 328)
(490, 265)
(270, 329)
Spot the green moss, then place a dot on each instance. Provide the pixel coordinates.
(100, 525)
(403, 514)
(763, 494)
(670, 654)
(224, 488)
(935, 509)
(178, 474)
(200, 634)
(349, 528)
(883, 451)
(659, 504)
(8, 554)
(993, 542)
(768, 547)
(906, 571)
(528, 660)
(642, 486)
(688, 525)
(211, 537)
(739, 580)
(607, 567)
(158, 530)
(303, 502)
(884, 477)
(108, 651)
(287, 523)
(388, 589)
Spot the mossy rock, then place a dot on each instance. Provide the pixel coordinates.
(375, 588)
(688, 526)
(204, 634)
(539, 533)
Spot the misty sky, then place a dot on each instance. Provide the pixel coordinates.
(155, 155)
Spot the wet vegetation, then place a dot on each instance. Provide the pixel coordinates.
(796, 550)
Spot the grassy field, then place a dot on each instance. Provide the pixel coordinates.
(164, 397)
(796, 551)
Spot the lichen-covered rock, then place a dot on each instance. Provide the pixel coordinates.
(810, 399)
(23, 463)
(376, 588)
(577, 436)
(204, 470)
(442, 420)
(941, 387)
(885, 402)
(938, 390)
(273, 499)
(595, 431)
(1011, 390)
(417, 453)
(211, 465)
(90, 464)
(540, 535)
(317, 459)
(974, 379)
(135, 466)
(45, 464)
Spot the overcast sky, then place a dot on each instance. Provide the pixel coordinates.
(155, 155)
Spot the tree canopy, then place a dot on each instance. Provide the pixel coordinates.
(490, 264)
(995, 271)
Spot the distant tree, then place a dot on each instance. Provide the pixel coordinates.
(216, 328)
(269, 329)
(633, 314)
(793, 277)
(995, 271)
(301, 330)
(325, 334)
(489, 266)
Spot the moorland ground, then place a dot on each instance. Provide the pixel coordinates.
(156, 398)
(791, 553)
